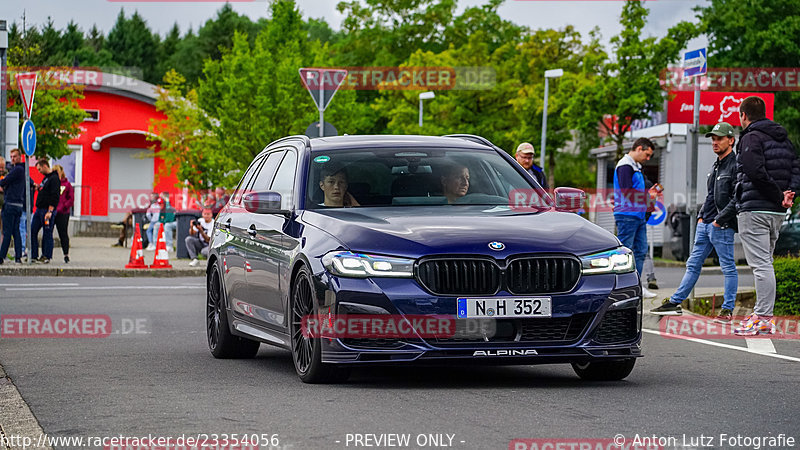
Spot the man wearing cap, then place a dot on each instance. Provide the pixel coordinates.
(524, 155)
(716, 225)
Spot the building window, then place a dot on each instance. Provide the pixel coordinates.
(93, 115)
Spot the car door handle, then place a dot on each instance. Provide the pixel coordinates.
(252, 230)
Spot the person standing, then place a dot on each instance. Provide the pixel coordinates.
(200, 236)
(716, 225)
(65, 203)
(768, 177)
(3, 173)
(630, 202)
(152, 218)
(44, 218)
(524, 156)
(13, 186)
(167, 218)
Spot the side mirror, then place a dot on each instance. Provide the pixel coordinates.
(570, 199)
(266, 202)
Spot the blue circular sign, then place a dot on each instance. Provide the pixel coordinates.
(28, 137)
(658, 215)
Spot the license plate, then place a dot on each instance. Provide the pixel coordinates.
(491, 307)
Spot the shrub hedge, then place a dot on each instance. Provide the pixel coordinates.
(787, 275)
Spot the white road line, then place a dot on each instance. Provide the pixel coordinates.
(760, 345)
(719, 344)
(106, 288)
(39, 284)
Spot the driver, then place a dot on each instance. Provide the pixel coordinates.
(455, 182)
(334, 183)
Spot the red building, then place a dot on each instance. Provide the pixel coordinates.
(111, 164)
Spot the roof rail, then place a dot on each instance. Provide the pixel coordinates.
(306, 140)
(474, 138)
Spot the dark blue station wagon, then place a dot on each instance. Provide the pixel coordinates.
(396, 230)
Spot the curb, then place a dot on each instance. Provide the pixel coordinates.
(706, 270)
(26, 271)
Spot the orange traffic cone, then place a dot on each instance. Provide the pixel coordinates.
(161, 260)
(136, 260)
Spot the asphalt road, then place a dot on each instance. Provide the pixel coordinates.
(162, 381)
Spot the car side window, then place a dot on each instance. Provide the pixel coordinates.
(284, 179)
(264, 178)
(246, 179)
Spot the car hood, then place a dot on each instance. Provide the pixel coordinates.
(415, 232)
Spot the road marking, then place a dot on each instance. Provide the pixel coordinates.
(719, 344)
(39, 284)
(760, 345)
(82, 288)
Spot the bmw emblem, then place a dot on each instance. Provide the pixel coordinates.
(496, 245)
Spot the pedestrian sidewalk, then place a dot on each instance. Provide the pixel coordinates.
(742, 308)
(95, 257)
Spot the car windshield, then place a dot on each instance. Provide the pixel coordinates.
(412, 177)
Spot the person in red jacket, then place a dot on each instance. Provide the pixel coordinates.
(65, 202)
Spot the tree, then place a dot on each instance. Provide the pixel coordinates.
(56, 111)
(627, 87)
(166, 49)
(216, 130)
(187, 136)
(387, 32)
(133, 45)
(743, 33)
(188, 58)
(552, 49)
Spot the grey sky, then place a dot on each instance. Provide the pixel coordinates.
(160, 15)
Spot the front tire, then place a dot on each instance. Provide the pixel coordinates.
(604, 370)
(222, 343)
(306, 350)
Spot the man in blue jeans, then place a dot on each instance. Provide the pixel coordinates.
(13, 186)
(44, 218)
(630, 202)
(716, 225)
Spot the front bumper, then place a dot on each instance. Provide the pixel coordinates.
(600, 319)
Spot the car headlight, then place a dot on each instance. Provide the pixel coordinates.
(619, 260)
(362, 265)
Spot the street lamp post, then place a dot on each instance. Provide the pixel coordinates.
(424, 96)
(553, 73)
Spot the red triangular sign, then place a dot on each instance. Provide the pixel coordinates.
(27, 87)
(322, 84)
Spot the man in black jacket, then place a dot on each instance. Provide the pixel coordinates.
(13, 185)
(768, 175)
(45, 216)
(716, 225)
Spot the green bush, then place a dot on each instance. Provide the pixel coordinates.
(787, 275)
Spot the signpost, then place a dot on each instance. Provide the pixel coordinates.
(29, 137)
(695, 64)
(27, 88)
(656, 218)
(322, 84)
